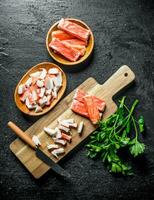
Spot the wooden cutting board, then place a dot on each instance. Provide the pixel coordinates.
(119, 80)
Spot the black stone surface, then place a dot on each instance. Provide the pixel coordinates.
(124, 34)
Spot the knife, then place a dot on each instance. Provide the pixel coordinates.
(39, 153)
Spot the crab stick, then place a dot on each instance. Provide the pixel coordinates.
(60, 141)
(57, 152)
(36, 140)
(66, 137)
(91, 108)
(69, 53)
(52, 146)
(63, 128)
(74, 29)
(49, 131)
(61, 35)
(38, 109)
(21, 89)
(80, 127)
(53, 71)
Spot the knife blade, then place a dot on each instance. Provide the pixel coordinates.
(39, 153)
(55, 167)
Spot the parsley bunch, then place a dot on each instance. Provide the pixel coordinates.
(121, 130)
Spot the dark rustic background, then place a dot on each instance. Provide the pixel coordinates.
(124, 34)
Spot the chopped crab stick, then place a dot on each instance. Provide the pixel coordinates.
(40, 83)
(43, 74)
(63, 123)
(49, 99)
(74, 125)
(38, 109)
(43, 101)
(58, 133)
(59, 79)
(91, 108)
(66, 137)
(42, 91)
(63, 128)
(24, 95)
(28, 82)
(49, 83)
(28, 104)
(49, 131)
(80, 127)
(48, 92)
(36, 140)
(53, 71)
(34, 95)
(69, 53)
(35, 74)
(54, 93)
(79, 108)
(61, 35)
(21, 89)
(52, 146)
(57, 152)
(74, 29)
(70, 121)
(60, 141)
(56, 82)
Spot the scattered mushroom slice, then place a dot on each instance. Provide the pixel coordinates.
(43, 73)
(60, 141)
(21, 89)
(66, 137)
(63, 128)
(53, 71)
(52, 146)
(35, 74)
(36, 140)
(80, 127)
(28, 82)
(38, 109)
(49, 131)
(57, 152)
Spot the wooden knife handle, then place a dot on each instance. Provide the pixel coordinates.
(120, 79)
(26, 138)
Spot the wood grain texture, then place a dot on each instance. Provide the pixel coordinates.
(119, 80)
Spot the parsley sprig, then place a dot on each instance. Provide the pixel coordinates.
(121, 130)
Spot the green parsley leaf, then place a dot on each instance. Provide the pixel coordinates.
(137, 148)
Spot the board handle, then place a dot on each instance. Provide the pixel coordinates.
(120, 79)
(22, 134)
